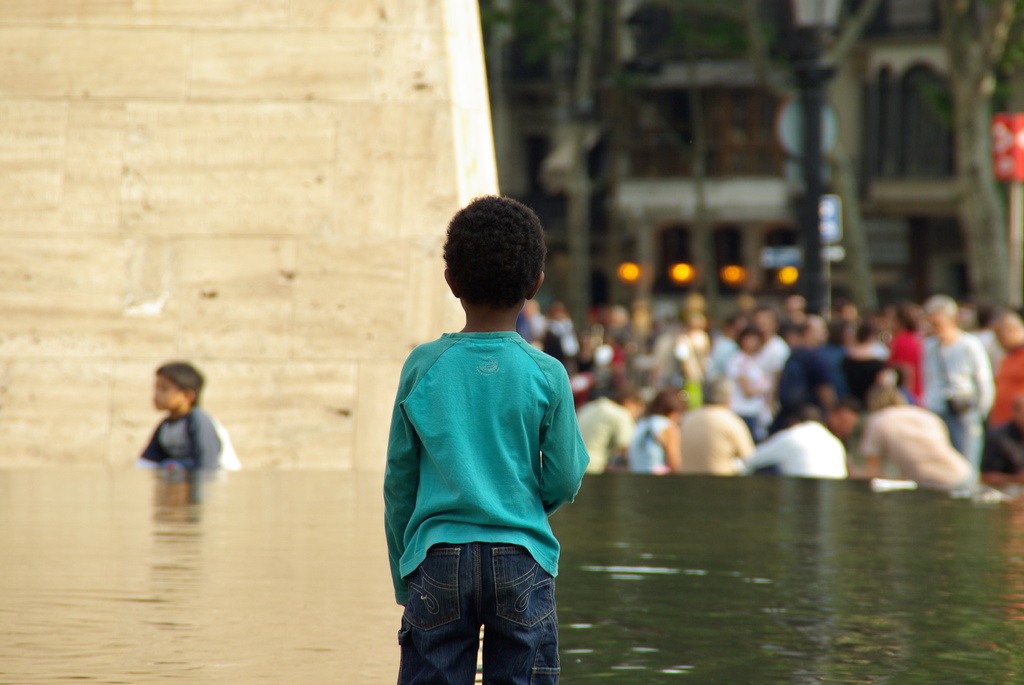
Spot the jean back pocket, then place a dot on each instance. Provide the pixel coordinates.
(525, 592)
(434, 589)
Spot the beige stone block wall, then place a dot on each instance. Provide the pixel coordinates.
(260, 186)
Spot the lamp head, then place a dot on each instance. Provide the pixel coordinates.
(816, 14)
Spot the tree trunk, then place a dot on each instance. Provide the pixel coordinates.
(981, 215)
(580, 189)
(982, 219)
(704, 235)
(855, 238)
(855, 241)
(577, 223)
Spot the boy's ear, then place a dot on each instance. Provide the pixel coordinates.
(191, 395)
(536, 288)
(451, 284)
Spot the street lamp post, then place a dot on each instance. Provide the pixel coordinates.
(812, 18)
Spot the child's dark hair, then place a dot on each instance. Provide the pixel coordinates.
(183, 375)
(753, 331)
(909, 317)
(495, 251)
(665, 402)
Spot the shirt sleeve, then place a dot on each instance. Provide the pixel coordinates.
(871, 441)
(625, 426)
(401, 479)
(769, 453)
(935, 383)
(818, 370)
(401, 483)
(983, 376)
(153, 451)
(564, 456)
(204, 442)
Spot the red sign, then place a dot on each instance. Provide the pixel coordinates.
(1008, 147)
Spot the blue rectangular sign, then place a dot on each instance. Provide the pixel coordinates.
(830, 219)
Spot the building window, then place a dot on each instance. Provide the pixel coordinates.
(902, 17)
(927, 149)
(907, 134)
(674, 250)
(775, 277)
(728, 243)
(728, 260)
(741, 133)
(537, 149)
(920, 16)
(887, 151)
(738, 125)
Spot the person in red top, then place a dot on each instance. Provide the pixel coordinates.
(1009, 379)
(906, 351)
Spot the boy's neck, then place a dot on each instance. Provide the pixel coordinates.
(175, 414)
(487, 319)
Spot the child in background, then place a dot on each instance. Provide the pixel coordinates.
(188, 438)
(484, 446)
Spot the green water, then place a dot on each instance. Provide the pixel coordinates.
(281, 577)
(775, 580)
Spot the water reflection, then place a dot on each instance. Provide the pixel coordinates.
(176, 491)
(281, 577)
(784, 580)
(132, 577)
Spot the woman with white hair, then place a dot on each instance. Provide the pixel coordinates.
(958, 383)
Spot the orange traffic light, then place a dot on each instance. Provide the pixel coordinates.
(787, 275)
(682, 273)
(629, 272)
(733, 275)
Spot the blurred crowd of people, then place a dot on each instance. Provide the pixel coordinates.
(929, 392)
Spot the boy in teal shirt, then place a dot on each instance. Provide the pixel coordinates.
(484, 446)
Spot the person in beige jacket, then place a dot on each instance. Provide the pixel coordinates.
(911, 439)
(714, 439)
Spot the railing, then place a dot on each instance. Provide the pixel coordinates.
(660, 156)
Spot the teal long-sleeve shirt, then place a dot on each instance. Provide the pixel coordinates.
(484, 445)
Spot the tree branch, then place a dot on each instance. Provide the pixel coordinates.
(852, 30)
(996, 31)
(757, 53)
(716, 8)
(953, 13)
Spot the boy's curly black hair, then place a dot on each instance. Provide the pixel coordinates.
(495, 251)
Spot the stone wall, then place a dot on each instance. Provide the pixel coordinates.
(259, 186)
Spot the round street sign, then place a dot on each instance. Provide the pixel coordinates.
(789, 127)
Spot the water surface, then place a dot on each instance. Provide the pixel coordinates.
(281, 577)
(777, 580)
(118, 577)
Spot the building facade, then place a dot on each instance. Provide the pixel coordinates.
(690, 165)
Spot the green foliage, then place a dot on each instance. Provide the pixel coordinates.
(1012, 58)
(721, 37)
(708, 28)
(541, 30)
(1011, 61)
(698, 28)
(939, 100)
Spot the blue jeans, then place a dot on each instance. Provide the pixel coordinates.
(965, 432)
(459, 588)
(754, 425)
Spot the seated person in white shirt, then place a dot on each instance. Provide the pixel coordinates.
(804, 448)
